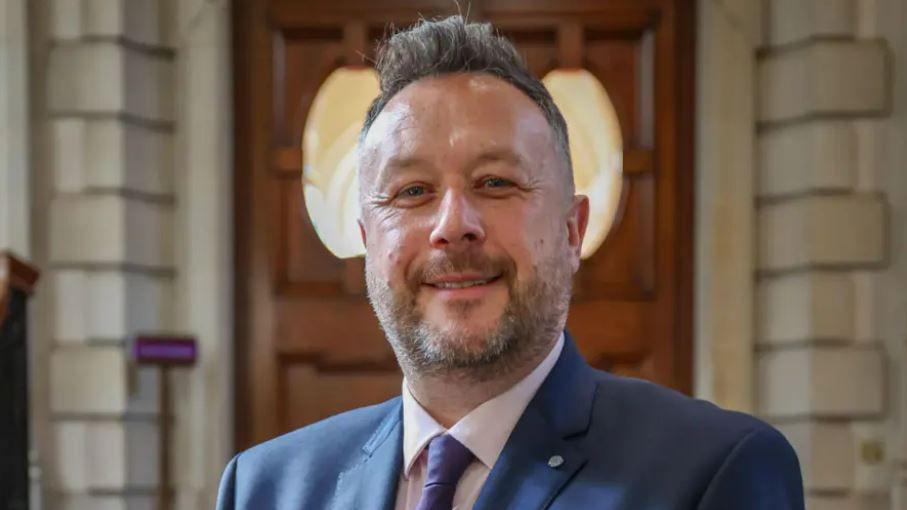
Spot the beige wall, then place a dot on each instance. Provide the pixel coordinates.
(204, 232)
(14, 140)
(824, 230)
(727, 38)
(801, 112)
(884, 167)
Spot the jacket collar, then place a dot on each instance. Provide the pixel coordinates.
(573, 377)
(545, 446)
(371, 484)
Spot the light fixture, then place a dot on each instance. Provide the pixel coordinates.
(330, 180)
(329, 173)
(595, 147)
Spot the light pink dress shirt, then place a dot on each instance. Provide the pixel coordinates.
(484, 431)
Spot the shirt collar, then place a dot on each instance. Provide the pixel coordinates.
(486, 428)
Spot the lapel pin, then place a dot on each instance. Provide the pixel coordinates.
(555, 461)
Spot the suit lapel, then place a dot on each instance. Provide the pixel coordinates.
(372, 483)
(525, 477)
(543, 452)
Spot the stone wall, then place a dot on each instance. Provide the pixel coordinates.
(110, 256)
(882, 311)
(133, 227)
(823, 237)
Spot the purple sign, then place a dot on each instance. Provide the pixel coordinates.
(164, 350)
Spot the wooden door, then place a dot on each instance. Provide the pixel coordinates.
(308, 344)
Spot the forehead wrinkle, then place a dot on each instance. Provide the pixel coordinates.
(497, 154)
(449, 117)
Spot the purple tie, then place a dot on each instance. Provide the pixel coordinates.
(447, 460)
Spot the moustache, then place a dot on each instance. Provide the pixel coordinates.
(471, 262)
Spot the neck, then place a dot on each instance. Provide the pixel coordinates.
(451, 395)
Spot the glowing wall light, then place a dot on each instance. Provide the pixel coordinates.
(595, 146)
(330, 182)
(329, 178)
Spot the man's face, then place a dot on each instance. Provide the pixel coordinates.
(472, 233)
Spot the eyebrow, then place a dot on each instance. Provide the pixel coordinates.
(497, 155)
(397, 164)
(400, 163)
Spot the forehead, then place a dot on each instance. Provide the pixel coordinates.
(456, 116)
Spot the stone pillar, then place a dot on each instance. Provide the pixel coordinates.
(203, 402)
(882, 295)
(15, 179)
(820, 232)
(14, 148)
(728, 34)
(110, 129)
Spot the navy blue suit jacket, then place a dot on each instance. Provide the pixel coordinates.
(627, 444)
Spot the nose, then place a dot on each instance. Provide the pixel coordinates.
(458, 223)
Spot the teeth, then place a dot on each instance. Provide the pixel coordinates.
(460, 285)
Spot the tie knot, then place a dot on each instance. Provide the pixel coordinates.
(447, 460)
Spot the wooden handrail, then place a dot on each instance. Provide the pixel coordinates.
(15, 274)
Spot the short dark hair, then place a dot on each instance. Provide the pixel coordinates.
(452, 45)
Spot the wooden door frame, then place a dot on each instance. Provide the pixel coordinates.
(251, 132)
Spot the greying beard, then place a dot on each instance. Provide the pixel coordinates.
(531, 320)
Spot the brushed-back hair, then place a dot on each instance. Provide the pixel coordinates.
(452, 45)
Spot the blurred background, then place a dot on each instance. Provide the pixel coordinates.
(182, 168)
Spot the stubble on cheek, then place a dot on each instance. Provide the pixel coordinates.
(427, 335)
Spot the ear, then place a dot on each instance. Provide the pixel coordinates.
(361, 231)
(577, 220)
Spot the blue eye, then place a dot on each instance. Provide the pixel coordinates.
(495, 182)
(413, 191)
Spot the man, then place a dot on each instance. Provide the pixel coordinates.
(473, 232)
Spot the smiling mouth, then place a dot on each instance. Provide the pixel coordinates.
(462, 284)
